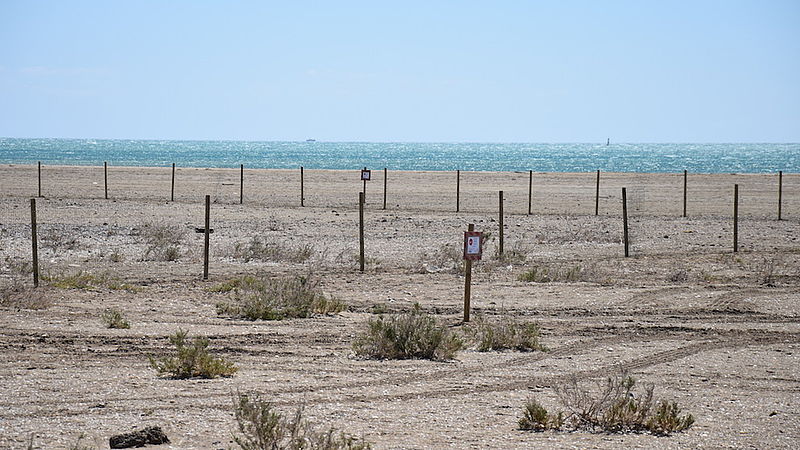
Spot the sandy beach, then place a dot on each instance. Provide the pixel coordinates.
(714, 330)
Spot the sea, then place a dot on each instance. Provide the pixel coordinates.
(540, 157)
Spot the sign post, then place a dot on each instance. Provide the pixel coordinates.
(365, 176)
(473, 250)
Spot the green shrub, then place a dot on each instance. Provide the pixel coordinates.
(413, 335)
(503, 334)
(163, 241)
(261, 427)
(277, 298)
(542, 274)
(191, 360)
(113, 319)
(262, 250)
(614, 406)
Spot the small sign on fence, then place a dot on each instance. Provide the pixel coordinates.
(366, 174)
(472, 245)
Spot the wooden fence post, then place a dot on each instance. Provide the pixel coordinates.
(40, 179)
(458, 190)
(241, 184)
(685, 176)
(735, 218)
(105, 176)
(502, 230)
(530, 190)
(625, 221)
(172, 191)
(385, 173)
(207, 232)
(302, 191)
(365, 188)
(780, 192)
(34, 245)
(597, 195)
(361, 231)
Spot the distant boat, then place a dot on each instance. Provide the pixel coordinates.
(608, 142)
(311, 140)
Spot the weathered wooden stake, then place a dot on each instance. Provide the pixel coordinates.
(361, 231)
(502, 230)
(735, 218)
(172, 191)
(365, 189)
(302, 191)
(105, 176)
(40, 179)
(468, 281)
(384, 187)
(207, 233)
(780, 192)
(241, 183)
(530, 190)
(458, 190)
(597, 195)
(685, 176)
(625, 221)
(34, 245)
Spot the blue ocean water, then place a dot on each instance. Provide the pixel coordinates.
(696, 158)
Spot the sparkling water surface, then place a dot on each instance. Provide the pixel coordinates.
(696, 158)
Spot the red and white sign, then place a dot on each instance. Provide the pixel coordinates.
(472, 245)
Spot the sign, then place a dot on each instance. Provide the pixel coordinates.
(472, 245)
(365, 174)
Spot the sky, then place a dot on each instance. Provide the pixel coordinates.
(410, 71)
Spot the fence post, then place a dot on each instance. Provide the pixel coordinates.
(597, 195)
(172, 191)
(361, 231)
(502, 230)
(385, 173)
(458, 190)
(40, 179)
(468, 281)
(241, 183)
(302, 193)
(530, 190)
(625, 221)
(735, 218)
(34, 245)
(685, 176)
(780, 192)
(365, 189)
(207, 232)
(105, 176)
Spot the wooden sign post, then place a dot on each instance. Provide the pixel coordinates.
(34, 245)
(473, 249)
(365, 176)
(361, 231)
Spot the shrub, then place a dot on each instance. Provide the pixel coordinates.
(413, 335)
(191, 360)
(57, 240)
(278, 298)
(262, 250)
(163, 241)
(113, 319)
(261, 427)
(447, 258)
(614, 407)
(542, 274)
(504, 334)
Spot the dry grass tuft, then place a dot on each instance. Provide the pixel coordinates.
(503, 334)
(262, 250)
(191, 360)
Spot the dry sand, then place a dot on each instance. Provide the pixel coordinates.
(716, 331)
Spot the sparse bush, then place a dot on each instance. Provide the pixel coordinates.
(447, 258)
(192, 360)
(614, 406)
(57, 240)
(543, 274)
(412, 335)
(765, 271)
(114, 319)
(163, 241)
(87, 281)
(503, 334)
(262, 250)
(681, 276)
(15, 292)
(261, 427)
(278, 298)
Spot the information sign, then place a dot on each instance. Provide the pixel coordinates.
(365, 174)
(472, 245)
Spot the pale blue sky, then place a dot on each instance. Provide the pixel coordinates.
(453, 71)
